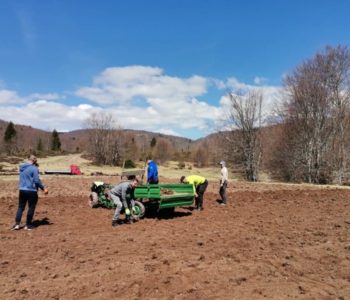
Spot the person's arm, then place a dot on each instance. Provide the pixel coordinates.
(223, 176)
(194, 186)
(36, 179)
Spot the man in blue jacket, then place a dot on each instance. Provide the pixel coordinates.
(29, 183)
(152, 172)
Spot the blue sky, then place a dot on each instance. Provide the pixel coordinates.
(160, 65)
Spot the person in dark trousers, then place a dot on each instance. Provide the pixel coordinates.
(118, 195)
(200, 184)
(152, 172)
(223, 182)
(29, 183)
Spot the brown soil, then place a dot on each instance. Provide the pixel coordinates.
(270, 241)
(166, 192)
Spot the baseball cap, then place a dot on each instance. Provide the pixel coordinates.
(222, 162)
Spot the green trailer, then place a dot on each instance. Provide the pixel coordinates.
(165, 196)
(159, 198)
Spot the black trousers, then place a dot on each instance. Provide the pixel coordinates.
(200, 192)
(223, 192)
(32, 199)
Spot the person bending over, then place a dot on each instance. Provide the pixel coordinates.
(200, 184)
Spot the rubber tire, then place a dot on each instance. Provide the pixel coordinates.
(142, 209)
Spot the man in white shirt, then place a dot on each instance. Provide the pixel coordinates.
(223, 182)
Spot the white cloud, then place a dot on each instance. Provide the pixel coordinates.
(260, 80)
(170, 100)
(123, 84)
(48, 115)
(271, 94)
(10, 97)
(38, 96)
(138, 97)
(168, 131)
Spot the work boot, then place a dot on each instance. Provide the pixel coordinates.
(115, 223)
(129, 220)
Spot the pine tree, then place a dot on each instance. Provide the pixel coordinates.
(153, 142)
(55, 141)
(10, 139)
(10, 133)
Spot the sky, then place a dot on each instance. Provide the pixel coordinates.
(157, 65)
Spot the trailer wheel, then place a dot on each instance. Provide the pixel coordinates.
(93, 199)
(140, 209)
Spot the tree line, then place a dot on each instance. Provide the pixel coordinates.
(11, 143)
(314, 144)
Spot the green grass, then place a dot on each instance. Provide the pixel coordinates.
(169, 169)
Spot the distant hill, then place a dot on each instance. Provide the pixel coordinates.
(208, 150)
(77, 140)
(80, 138)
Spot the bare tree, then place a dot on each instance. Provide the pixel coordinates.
(244, 139)
(316, 115)
(130, 147)
(200, 155)
(104, 136)
(163, 150)
(335, 64)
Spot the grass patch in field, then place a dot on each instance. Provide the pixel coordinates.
(170, 169)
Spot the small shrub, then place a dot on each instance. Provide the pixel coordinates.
(129, 164)
(181, 165)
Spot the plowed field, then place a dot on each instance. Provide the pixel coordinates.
(271, 241)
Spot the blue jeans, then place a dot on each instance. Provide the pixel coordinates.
(26, 196)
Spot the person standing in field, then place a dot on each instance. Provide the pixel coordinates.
(223, 182)
(29, 183)
(152, 172)
(200, 184)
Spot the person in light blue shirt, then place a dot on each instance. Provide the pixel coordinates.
(29, 183)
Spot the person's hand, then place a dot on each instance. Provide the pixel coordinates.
(196, 194)
(46, 191)
(127, 212)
